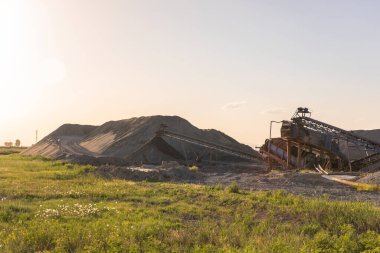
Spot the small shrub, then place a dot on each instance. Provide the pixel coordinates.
(233, 188)
(69, 166)
(216, 187)
(87, 168)
(346, 240)
(311, 229)
(193, 168)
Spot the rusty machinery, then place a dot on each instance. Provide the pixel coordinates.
(309, 143)
(304, 143)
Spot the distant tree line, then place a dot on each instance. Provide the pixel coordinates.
(10, 144)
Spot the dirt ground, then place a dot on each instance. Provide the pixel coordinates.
(371, 178)
(293, 182)
(251, 177)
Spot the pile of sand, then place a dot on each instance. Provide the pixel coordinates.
(135, 141)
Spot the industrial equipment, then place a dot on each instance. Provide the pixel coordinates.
(309, 143)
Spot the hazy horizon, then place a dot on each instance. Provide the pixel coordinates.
(227, 65)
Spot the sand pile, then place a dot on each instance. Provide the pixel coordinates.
(135, 140)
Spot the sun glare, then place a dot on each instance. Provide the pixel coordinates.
(26, 67)
(52, 71)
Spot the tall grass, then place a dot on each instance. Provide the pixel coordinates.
(11, 150)
(53, 206)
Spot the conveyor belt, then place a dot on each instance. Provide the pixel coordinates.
(366, 161)
(224, 149)
(338, 133)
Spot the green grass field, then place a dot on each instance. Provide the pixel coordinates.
(11, 150)
(52, 206)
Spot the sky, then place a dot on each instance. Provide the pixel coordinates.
(229, 65)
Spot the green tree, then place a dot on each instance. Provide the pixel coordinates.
(17, 143)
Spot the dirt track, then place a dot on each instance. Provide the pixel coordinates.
(247, 176)
(293, 182)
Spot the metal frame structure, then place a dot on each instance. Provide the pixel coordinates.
(302, 119)
(304, 151)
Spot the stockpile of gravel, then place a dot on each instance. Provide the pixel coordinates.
(371, 178)
(135, 140)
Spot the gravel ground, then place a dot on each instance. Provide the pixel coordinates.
(247, 176)
(371, 178)
(311, 185)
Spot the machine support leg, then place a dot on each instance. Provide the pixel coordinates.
(348, 156)
(288, 154)
(299, 151)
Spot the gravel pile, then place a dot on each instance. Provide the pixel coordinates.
(371, 178)
(135, 140)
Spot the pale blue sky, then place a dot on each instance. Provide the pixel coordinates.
(229, 65)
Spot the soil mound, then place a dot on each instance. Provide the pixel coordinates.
(167, 172)
(371, 178)
(135, 140)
